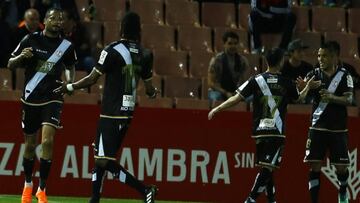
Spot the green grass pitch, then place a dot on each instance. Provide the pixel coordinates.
(17, 198)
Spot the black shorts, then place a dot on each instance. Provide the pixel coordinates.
(33, 117)
(110, 134)
(319, 142)
(269, 151)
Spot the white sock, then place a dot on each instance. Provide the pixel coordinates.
(28, 184)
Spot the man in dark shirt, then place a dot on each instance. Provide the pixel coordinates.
(328, 129)
(122, 62)
(271, 94)
(294, 66)
(44, 56)
(271, 16)
(226, 70)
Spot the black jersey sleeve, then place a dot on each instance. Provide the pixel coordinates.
(247, 88)
(70, 56)
(24, 43)
(147, 64)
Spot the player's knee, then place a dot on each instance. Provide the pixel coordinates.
(341, 169)
(316, 167)
(101, 162)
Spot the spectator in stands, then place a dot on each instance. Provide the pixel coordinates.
(226, 70)
(75, 32)
(30, 24)
(329, 3)
(40, 5)
(123, 62)
(295, 66)
(5, 38)
(268, 16)
(44, 55)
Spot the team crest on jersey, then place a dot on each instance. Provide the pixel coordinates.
(354, 175)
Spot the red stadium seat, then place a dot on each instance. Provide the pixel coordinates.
(225, 14)
(144, 101)
(199, 63)
(243, 14)
(187, 15)
(10, 95)
(189, 103)
(109, 10)
(170, 63)
(333, 22)
(151, 12)
(243, 39)
(194, 38)
(182, 87)
(348, 43)
(82, 7)
(302, 18)
(311, 39)
(355, 62)
(204, 88)
(354, 16)
(156, 81)
(158, 37)
(5, 79)
(111, 31)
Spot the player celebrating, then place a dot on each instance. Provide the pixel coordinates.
(123, 62)
(44, 56)
(271, 94)
(329, 120)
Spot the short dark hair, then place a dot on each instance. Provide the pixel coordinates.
(130, 26)
(274, 56)
(332, 46)
(52, 9)
(230, 34)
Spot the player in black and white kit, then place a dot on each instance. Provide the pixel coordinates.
(44, 55)
(123, 62)
(271, 94)
(328, 129)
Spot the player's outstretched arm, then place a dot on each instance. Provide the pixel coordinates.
(345, 100)
(306, 85)
(82, 83)
(226, 104)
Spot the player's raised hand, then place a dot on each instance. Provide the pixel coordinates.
(313, 84)
(27, 52)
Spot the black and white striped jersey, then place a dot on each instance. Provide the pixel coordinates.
(50, 57)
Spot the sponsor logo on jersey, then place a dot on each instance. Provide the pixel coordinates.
(102, 57)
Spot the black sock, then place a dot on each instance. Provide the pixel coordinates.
(270, 189)
(97, 180)
(343, 181)
(124, 176)
(261, 181)
(44, 172)
(28, 165)
(314, 186)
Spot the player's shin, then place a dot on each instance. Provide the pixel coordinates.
(314, 186)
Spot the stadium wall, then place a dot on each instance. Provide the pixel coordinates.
(187, 156)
